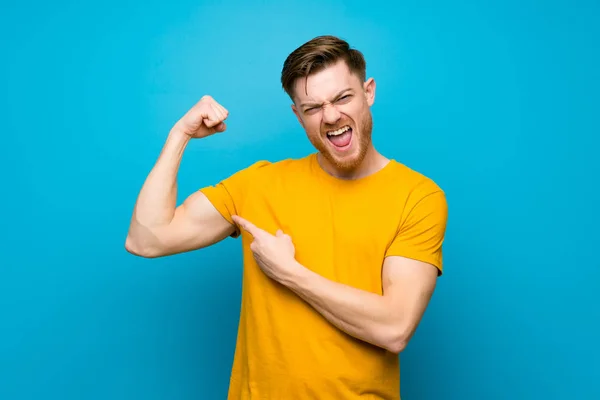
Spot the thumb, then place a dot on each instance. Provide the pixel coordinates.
(211, 122)
(281, 234)
(221, 127)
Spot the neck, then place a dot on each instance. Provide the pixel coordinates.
(373, 162)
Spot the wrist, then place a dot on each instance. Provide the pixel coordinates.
(296, 275)
(176, 142)
(178, 135)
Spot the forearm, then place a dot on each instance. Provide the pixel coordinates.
(364, 315)
(156, 202)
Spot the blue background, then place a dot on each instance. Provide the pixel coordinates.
(498, 102)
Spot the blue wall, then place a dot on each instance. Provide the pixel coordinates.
(498, 103)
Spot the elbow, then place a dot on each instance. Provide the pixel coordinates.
(134, 247)
(396, 340)
(396, 346)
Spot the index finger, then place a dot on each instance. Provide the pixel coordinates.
(246, 225)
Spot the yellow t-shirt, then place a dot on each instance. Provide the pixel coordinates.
(343, 230)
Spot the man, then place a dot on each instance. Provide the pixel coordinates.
(342, 248)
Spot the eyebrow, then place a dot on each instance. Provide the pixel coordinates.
(336, 97)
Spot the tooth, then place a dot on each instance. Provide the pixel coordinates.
(339, 131)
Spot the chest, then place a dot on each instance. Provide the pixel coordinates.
(342, 235)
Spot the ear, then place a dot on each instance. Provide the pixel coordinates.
(369, 88)
(297, 113)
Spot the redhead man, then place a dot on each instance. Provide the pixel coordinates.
(342, 248)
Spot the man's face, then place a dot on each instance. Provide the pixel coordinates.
(333, 106)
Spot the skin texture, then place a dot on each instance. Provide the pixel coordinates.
(158, 227)
(331, 99)
(325, 101)
(387, 321)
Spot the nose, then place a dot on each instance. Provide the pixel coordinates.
(330, 114)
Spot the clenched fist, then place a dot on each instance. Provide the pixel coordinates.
(204, 119)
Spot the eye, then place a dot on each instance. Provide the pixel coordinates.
(344, 99)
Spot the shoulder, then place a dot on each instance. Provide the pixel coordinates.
(416, 187)
(268, 169)
(413, 179)
(265, 171)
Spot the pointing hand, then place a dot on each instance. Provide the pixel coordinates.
(274, 254)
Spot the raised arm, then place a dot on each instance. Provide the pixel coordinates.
(158, 226)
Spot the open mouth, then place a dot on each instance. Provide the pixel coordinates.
(340, 138)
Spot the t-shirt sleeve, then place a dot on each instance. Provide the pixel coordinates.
(228, 195)
(421, 233)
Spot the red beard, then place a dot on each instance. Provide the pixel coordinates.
(360, 137)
